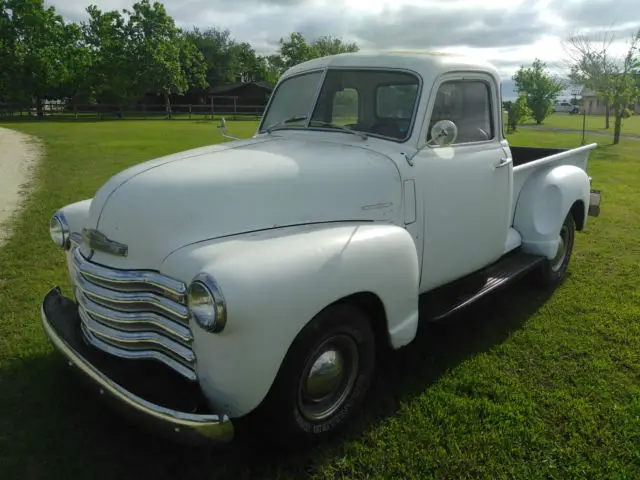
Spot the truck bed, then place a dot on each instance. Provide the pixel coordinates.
(524, 155)
(527, 160)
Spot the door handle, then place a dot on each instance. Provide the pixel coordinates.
(502, 163)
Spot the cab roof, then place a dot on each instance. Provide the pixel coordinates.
(426, 63)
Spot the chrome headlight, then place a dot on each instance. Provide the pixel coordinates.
(59, 230)
(207, 304)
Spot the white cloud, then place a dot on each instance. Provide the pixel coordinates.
(507, 33)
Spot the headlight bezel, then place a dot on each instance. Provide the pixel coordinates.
(213, 320)
(62, 234)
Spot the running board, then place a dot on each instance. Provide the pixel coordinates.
(449, 299)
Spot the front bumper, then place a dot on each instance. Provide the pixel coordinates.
(61, 324)
(594, 202)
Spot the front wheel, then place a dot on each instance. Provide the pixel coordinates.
(553, 271)
(323, 380)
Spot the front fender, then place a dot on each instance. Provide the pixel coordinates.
(274, 282)
(76, 215)
(544, 201)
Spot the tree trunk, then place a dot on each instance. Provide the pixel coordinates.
(167, 103)
(39, 110)
(617, 126)
(607, 112)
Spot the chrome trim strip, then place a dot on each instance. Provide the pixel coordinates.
(135, 321)
(316, 96)
(208, 427)
(131, 301)
(119, 279)
(138, 354)
(97, 240)
(138, 342)
(75, 238)
(220, 304)
(64, 226)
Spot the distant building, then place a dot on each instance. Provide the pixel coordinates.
(240, 97)
(594, 105)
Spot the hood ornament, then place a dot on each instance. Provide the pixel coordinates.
(96, 240)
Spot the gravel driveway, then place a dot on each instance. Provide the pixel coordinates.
(18, 155)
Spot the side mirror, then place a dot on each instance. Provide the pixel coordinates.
(443, 133)
(223, 128)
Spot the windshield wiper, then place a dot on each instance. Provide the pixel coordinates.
(295, 118)
(340, 127)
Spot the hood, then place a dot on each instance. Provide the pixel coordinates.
(159, 206)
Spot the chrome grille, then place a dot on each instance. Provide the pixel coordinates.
(135, 314)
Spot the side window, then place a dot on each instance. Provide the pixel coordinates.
(345, 107)
(468, 104)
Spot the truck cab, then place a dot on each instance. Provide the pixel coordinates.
(261, 277)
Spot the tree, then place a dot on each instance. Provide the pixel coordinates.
(76, 60)
(540, 88)
(324, 46)
(275, 66)
(614, 78)
(38, 37)
(592, 66)
(518, 112)
(193, 64)
(216, 47)
(159, 52)
(296, 49)
(7, 53)
(113, 71)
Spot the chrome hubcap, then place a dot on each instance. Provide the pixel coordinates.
(561, 253)
(328, 378)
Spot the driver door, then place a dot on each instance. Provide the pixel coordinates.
(465, 187)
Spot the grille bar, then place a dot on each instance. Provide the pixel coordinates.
(131, 280)
(136, 321)
(132, 301)
(133, 314)
(117, 351)
(137, 340)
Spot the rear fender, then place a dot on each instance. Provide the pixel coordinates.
(545, 200)
(274, 282)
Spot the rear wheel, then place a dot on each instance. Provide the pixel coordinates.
(323, 380)
(553, 271)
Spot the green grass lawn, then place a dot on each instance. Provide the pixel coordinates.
(526, 385)
(630, 125)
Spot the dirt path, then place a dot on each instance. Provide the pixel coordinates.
(18, 155)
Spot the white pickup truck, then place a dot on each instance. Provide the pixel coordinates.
(255, 282)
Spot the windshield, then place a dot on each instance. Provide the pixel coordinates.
(375, 102)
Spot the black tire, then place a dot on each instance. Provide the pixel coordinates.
(284, 418)
(552, 272)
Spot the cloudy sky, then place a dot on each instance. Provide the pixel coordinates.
(507, 32)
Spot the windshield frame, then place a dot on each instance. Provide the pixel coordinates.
(306, 126)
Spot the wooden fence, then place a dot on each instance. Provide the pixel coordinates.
(107, 112)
